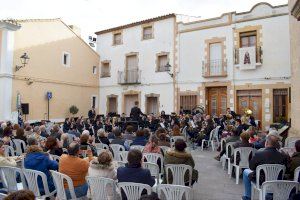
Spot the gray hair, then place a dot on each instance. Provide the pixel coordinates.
(73, 149)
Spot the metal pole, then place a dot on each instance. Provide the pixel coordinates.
(48, 109)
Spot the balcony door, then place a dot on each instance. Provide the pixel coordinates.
(217, 100)
(215, 59)
(131, 68)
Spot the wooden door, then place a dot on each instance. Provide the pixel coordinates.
(280, 105)
(152, 105)
(129, 103)
(217, 100)
(112, 105)
(250, 99)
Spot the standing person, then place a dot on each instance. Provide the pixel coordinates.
(92, 113)
(135, 112)
(231, 112)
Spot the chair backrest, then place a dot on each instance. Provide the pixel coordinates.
(280, 189)
(184, 132)
(99, 187)
(223, 143)
(59, 179)
(173, 192)
(174, 138)
(117, 148)
(129, 142)
(164, 149)
(32, 180)
(8, 151)
(296, 174)
(20, 146)
(139, 147)
(54, 157)
(121, 163)
(133, 191)
(100, 146)
(123, 155)
(271, 172)
(229, 149)
(244, 153)
(216, 133)
(9, 178)
(154, 158)
(178, 172)
(211, 135)
(153, 168)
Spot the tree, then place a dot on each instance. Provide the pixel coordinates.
(74, 110)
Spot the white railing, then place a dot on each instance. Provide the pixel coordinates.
(214, 68)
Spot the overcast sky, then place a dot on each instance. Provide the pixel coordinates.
(95, 15)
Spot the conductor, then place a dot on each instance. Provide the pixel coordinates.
(135, 112)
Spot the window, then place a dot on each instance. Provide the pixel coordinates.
(66, 59)
(280, 103)
(105, 69)
(188, 102)
(94, 101)
(94, 70)
(162, 61)
(147, 32)
(215, 62)
(248, 39)
(117, 39)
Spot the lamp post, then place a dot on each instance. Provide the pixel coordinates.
(168, 69)
(24, 60)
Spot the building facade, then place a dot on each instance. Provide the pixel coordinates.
(237, 60)
(294, 6)
(60, 63)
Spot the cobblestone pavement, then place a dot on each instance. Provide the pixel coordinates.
(214, 182)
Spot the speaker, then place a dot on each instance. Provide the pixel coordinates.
(25, 108)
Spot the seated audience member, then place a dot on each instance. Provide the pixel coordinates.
(163, 140)
(270, 155)
(261, 139)
(64, 140)
(84, 138)
(2, 127)
(7, 161)
(176, 131)
(37, 134)
(241, 126)
(253, 136)
(118, 137)
(244, 141)
(76, 168)
(36, 159)
(152, 146)
(28, 131)
(139, 139)
(147, 133)
(73, 131)
(294, 162)
(52, 146)
(128, 135)
(7, 134)
(102, 138)
(55, 132)
(43, 131)
(133, 171)
(180, 156)
(20, 135)
(15, 128)
(20, 195)
(233, 138)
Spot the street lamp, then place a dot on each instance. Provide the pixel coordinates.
(24, 60)
(168, 69)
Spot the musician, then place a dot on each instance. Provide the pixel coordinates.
(92, 113)
(135, 112)
(232, 113)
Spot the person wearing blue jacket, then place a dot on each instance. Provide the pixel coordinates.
(36, 159)
(139, 139)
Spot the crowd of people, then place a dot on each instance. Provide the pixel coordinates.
(75, 142)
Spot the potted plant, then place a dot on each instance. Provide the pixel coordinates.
(73, 110)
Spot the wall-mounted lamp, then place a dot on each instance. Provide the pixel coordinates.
(168, 69)
(29, 81)
(24, 60)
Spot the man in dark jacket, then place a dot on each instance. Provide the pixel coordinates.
(92, 113)
(135, 112)
(133, 171)
(270, 155)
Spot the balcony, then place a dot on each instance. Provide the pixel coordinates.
(258, 55)
(214, 68)
(128, 77)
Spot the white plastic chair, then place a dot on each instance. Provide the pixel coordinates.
(139, 147)
(271, 172)
(227, 156)
(100, 146)
(244, 153)
(116, 148)
(121, 163)
(164, 149)
(184, 133)
(296, 174)
(154, 158)
(178, 172)
(174, 138)
(9, 179)
(8, 151)
(216, 135)
(59, 180)
(223, 142)
(288, 150)
(281, 190)
(133, 191)
(54, 157)
(32, 180)
(18, 144)
(209, 142)
(173, 192)
(154, 170)
(123, 155)
(102, 187)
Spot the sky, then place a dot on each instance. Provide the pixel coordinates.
(95, 15)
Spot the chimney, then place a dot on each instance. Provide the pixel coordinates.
(76, 29)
